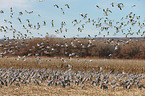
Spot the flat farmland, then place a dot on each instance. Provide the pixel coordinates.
(43, 90)
(77, 64)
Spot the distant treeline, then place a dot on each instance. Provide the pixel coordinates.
(76, 47)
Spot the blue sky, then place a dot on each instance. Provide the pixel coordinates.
(48, 13)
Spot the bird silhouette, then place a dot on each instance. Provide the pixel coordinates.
(67, 5)
(55, 5)
(97, 6)
(1, 11)
(112, 4)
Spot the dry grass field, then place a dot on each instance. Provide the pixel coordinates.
(115, 65)
(34, 90)
(82, 64)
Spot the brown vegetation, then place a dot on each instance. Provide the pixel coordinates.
(103, 48)
(114, 65)
(43, 90)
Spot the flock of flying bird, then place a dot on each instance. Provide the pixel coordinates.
(131, 19)
(104, 23)
(64, 78)
(99, 23)
(29, 25)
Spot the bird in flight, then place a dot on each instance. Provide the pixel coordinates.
(97, 6)
(55, 5)
(112, 4)
(1, 11)
(133, 5)
(28, 12)
(67, 5)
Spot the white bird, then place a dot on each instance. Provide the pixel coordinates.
(101, 69)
